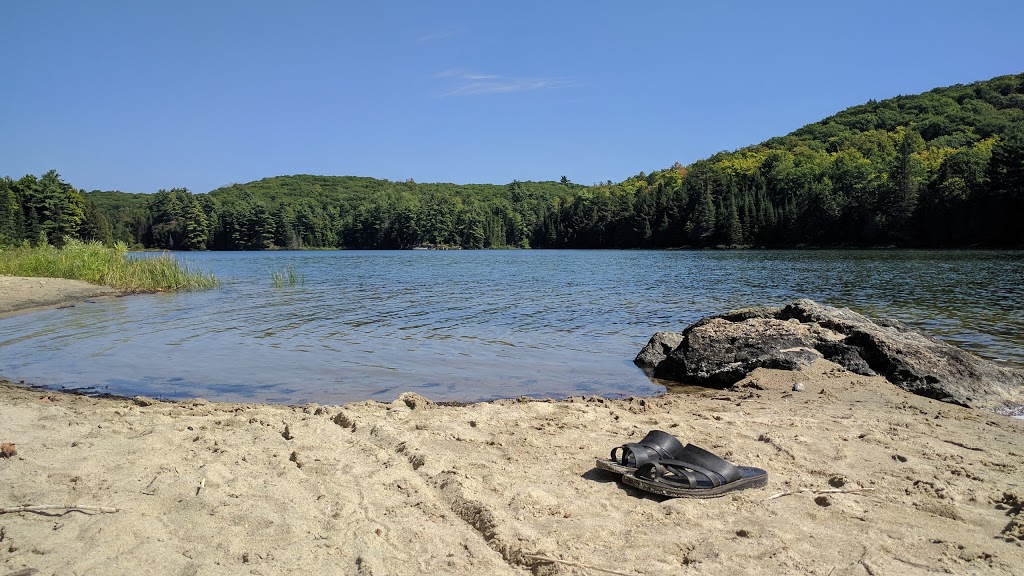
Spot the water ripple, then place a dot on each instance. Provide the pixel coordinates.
(479, 325)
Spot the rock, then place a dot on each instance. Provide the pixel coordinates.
(798, 387)
(720, 350)
(658, 347)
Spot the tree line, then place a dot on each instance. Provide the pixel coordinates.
(943, 168)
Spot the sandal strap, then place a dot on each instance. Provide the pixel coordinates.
(686, 470)
(660, 469)
(641, 454)
(656, 445)
(683, 474)
(700, 459)
(668, 445)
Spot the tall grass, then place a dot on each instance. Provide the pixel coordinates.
(287, 278)
(98, 264)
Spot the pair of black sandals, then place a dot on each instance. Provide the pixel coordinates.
(660, 464)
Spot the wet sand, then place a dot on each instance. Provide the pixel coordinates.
(19, 294)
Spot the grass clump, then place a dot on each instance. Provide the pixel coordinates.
(287, 278)
(107, 266)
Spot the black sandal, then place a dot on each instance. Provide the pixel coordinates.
(694, 473)
(657, 445)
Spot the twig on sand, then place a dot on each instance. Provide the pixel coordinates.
(576, 564)
(44, 508)
(148, 490)
(23, 572)
(813, 491)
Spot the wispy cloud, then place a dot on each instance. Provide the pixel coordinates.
(474, 84)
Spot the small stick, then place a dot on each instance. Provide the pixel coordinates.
(43, 508)
(812, 491)
(148, 490)
(576, 564)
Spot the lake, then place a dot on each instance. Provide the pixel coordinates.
(476, 325)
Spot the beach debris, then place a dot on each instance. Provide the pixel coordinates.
(539, 558)
(149, 490)
(202, 484)
(798, 387)
(45, 509)
(287, 434)
(819, 492)
(23, 572)
(7, 450)
(143, 401)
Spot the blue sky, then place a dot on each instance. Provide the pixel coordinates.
(142, 95)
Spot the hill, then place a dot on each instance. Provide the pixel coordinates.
(943, 168)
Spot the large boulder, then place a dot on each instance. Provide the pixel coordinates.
(720, 350)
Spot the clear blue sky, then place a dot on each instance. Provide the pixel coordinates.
(140, 95)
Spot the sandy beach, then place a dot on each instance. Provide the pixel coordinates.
(864, 478)
(19, 294)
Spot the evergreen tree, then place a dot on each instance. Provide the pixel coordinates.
(95, 226)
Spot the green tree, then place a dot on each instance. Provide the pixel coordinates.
(59, 208)
(95, 225)
(899, 200)
(702, 220)
(11, 216)
(1004, 201)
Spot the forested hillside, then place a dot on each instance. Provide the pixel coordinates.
(943, 168)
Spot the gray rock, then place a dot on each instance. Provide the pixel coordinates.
(658, 347)
(720, 350)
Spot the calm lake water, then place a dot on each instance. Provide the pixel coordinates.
(472, 325)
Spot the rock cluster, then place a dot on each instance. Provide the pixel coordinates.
(720, 350)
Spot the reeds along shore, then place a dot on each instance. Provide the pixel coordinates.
(104, 265)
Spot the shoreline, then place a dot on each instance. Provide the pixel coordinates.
(23, 294)
(862, 477)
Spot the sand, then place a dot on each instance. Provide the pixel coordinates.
(19, 294)
(873, 480)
